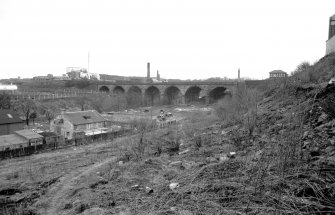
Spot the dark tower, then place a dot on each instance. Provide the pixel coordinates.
(331, 27)
(158, 76)
(148, 71)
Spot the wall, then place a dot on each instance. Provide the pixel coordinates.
(330, 45)
(9, 128)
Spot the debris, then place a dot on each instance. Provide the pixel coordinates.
(232, 154)
(223, 158)
(149, 190)
(184, 152)
(173, 185)
(176, 163)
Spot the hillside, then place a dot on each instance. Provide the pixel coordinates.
(268, 153)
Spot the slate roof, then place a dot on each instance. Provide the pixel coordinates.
(11, 139)
(84, 117)
(278, 71)
(9, 117)
(28, 134)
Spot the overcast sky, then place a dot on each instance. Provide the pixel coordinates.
(186, 39)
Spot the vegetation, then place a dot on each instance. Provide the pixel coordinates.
(266, 150)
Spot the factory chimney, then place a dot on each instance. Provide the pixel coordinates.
(148, 71)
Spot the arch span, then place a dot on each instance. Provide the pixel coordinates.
(192, 94)
(134, 96)
(152, 96)
(217, 94)
(172, 95)
(118, 90)
(104, 89)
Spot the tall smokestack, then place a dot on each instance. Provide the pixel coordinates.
(238, 75)
(158, 76)
(148, 70)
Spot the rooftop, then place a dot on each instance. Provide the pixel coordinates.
(11, 139)
(28, 134)
(277, 71)
(9, 117)
(84, 117)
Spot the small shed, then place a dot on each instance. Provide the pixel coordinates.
(32, 137)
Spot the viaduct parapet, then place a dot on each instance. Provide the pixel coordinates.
(151, 94)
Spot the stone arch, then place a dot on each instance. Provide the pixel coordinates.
(152, 96)
(172, 95)
(217, 93)
(104, 89)
(118, 90)
(193, 94)
(134, 96)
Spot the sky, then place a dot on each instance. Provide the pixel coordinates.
(184, 39)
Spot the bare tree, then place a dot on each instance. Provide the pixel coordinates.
(26, 107)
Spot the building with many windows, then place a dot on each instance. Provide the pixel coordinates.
(278, 74)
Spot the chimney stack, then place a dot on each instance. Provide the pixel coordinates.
(148, 70)
(238, 75)
(158, 76)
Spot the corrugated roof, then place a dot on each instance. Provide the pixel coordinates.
(9, 117)
(84, 117)
(278, 71)
(11, 139)
(28, 134)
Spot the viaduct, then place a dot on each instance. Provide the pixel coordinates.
(150, 94)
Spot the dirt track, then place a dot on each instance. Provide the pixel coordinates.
(57, 195)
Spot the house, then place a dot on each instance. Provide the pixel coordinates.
(10, 121)
(73, 125)
(278, 74)
(20, 139)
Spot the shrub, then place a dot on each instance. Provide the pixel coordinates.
(240, 109)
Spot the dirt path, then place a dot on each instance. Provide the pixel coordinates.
(58, 193)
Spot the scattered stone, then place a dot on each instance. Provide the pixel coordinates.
(120, 163)
(174, 185)
(176, 163)
(184, 152)
(135, 187)
(149, 190)
(223, 158)
(232, 154)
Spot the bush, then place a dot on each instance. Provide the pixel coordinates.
(240, 109)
